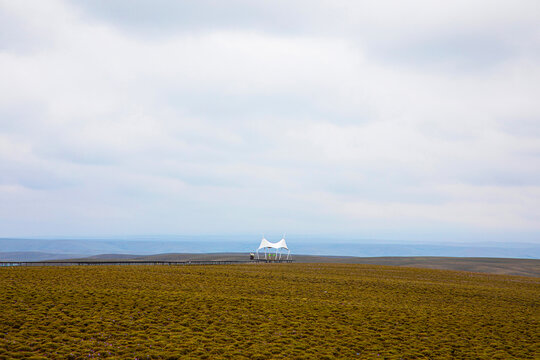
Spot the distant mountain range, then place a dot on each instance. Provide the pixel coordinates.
(33, 256)
(49, 249)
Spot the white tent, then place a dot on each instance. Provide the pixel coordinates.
(281, 244)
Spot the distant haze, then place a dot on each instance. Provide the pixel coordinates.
(404, 121)
(37, 249)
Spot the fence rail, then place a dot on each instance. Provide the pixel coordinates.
(135, 262)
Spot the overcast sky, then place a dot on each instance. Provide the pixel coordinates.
(400, 120)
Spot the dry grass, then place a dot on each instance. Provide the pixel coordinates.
(266, 311)
(502, 266)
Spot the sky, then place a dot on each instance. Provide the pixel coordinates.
(391, 120)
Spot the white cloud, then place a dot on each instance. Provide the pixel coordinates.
(338, 124)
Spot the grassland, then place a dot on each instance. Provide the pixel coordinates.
(502, 266)
(302, 311)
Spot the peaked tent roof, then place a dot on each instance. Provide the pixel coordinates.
(281, 244)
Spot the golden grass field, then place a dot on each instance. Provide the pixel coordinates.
(293, 311)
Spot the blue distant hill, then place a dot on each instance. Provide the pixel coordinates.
(213, 244)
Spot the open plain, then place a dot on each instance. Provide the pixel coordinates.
(294, 311)
(502, 266)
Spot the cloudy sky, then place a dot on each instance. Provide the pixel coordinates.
(400, 120)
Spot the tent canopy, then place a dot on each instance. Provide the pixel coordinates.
(281, 244)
